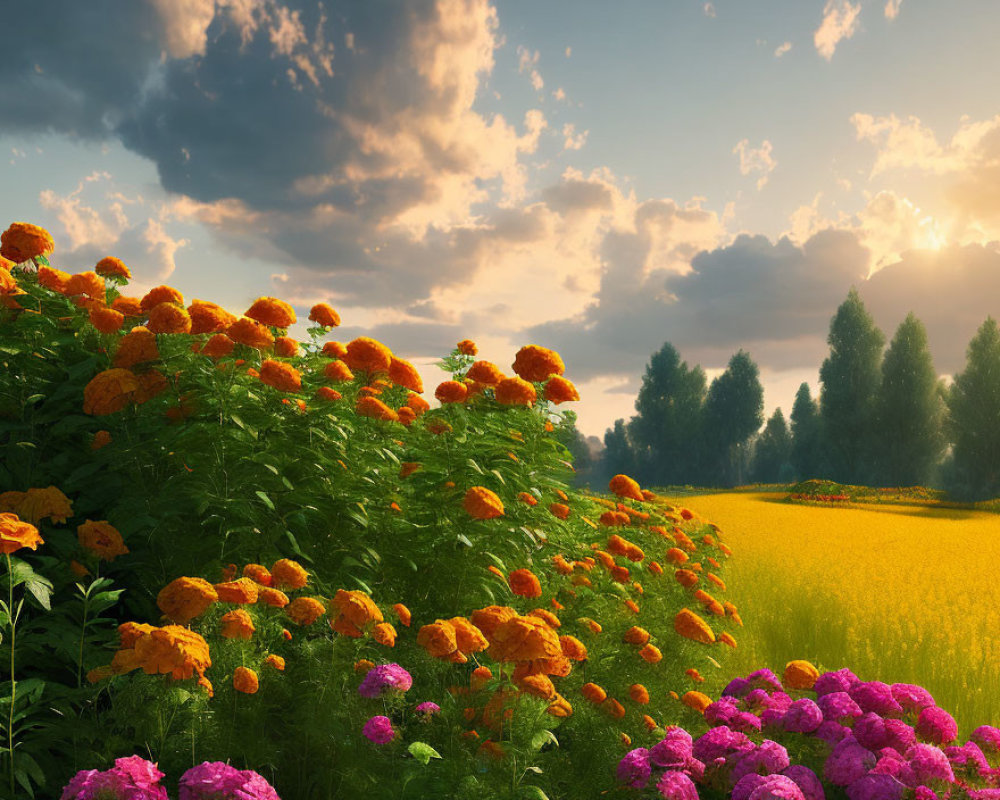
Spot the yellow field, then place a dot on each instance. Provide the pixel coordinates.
(897, 593)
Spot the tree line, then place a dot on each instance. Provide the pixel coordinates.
(883, 418)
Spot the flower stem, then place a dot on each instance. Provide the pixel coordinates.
(13, 684)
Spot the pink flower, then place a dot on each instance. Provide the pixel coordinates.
(379, 730)
(676, 786)
(935, 725)
(634, 768)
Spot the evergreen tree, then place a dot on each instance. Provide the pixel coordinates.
(851, 376)
(734, 411)
(909, 411)
(665, 430)
(806, 436)
(618, 458)
(974, 415)
(773, 451)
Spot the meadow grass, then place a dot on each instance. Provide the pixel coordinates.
(895, 593)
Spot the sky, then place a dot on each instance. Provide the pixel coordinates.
(591, 177)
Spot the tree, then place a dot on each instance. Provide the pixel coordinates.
(974, 415)
(773, 452)
(665, 430)
(851, 376)
(909, 410)
(807, 444)
(618, 458)
(734, 411)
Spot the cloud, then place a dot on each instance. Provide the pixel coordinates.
(756, 160)
(569, 52)
(781, 49)
(528, 62)
(840, 21)
(571, 139)
(892, 8)
(708, 9)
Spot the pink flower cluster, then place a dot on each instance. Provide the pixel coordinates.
(134, 778)
(866, 739)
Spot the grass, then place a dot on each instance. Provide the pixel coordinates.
(897, 593)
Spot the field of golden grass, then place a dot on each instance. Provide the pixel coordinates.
(906, 594)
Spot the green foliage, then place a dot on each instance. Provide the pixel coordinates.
(851, 377)
(807, 432)
(773, 451)
(974, 417)
(909, 410)
(734, 411)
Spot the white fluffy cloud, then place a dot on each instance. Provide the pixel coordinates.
(756, 160)
(840, 21)
(892, 8)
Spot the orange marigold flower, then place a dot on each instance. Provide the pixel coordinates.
(305, 610)
(286, 634)
(514, 392)
(485, 372)
(356, 607)
(481, 503)
(323, 314)
(161, 294)
(183, 599)
(289, 574)
(524, 583)
(624, 486)
(524, 639)
(451, 392)
(102, 539)
(135, 347)
(376, 409)
(639, 694)
(727, 639)
(219, 346)
(560, 510)
(539, 686)
(581, 580)
(696, 700)
(799, 675)
(209, 317)
(129, 306)
(563, 567)
(22, 241)
(88, 283)
(559, 707)
(286, 347)
(169, 318)
(651, 654)
(367, 355)
(404, 374)
(106, 320)
(470, 639)
(544, 614)
(594, 693)
(616, 710)
(242, 591)
(467, 347)
(283, 377)
(228, 573)
(676, 556)
(258, 573)
(16, 533)
(632, 606)
(417, 403)
(691, 626)
(362, 665)
(479, 678)
(151, 384)
(649, 723)
(694, 675)
(237, 625)
(406, 415)
(36, 504)
(620, 574)
(613, 519)
(648, 495)
(111, 267)
(636, 635)
(573, 648)
(326, 393)
(272, 597)
(402, 614)
(251, 333)
(726, 551)
(245, 680)
(593, 625)
(655, 568)
(407, 468)
(439, 638)
(384, 634)
(275, 661)
(271, 311)
(535, 364)
(524, 497)
(686, 578)
(716, 580)
(559, 390)
(334, 350)
(492, 617)
(109, 391)
(54, 279)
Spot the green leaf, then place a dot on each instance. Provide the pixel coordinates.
(267, 500)
(423, 752)
(463, 539)
(41, 590)
(475, 466)
(542, 738)
(533, 793)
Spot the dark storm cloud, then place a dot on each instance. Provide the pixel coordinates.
(773, 299)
